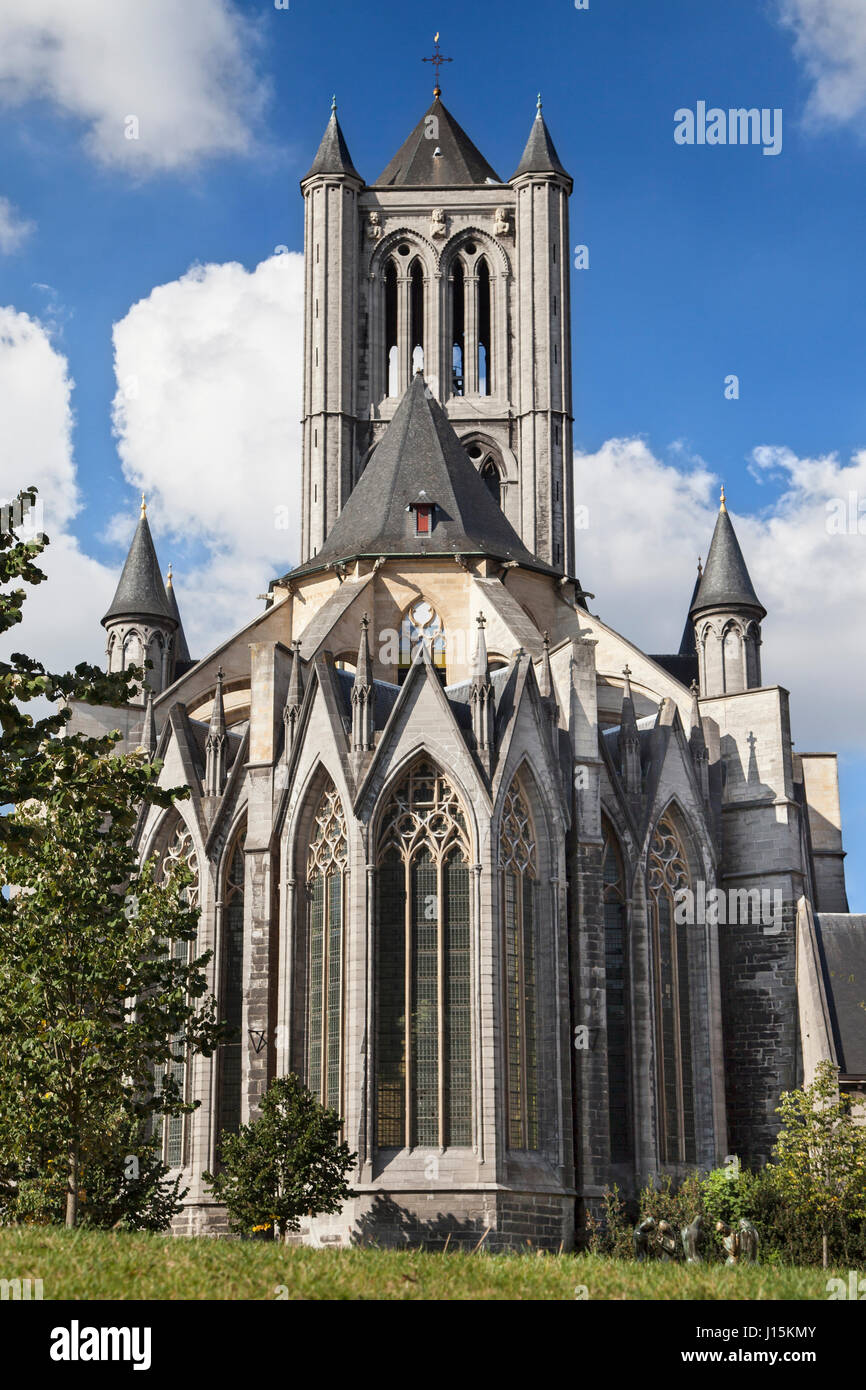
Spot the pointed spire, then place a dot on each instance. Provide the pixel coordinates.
(688, 646)
(181, 649)
(725, 582)
(333, 154)
(294, 699)
(449, 160)
(215, 743)
(148, 731)
(362, 695)
(140, 592)
(629, 741)
(545, 678)
(540, 155)
(481, 699)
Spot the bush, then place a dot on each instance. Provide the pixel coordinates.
(287, 1164)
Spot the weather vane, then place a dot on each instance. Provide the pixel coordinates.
(437, 60)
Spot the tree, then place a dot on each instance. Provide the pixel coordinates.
(287, 1164)
(22, 679)
(99, 992)
(820, 1168)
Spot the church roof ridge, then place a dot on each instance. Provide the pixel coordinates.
(440, 155)
(420, 449)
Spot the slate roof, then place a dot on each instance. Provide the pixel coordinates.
(688, 645)
(842, 947)
(725, 581)
(333, 155)
(418, 452)
(141, 592)
(682, 667)
(182, 657)
(540, 155)
(458, 161)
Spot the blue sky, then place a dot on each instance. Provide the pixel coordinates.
(703, 262)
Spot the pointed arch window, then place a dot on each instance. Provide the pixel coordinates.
(668, 873)
(232, 987)
(518, 863)
(616, 996)
(326, 891)
(485, 341)
(416, 315)
(458, 312)
(170, 1131)
(423, 1042)
(391, 351)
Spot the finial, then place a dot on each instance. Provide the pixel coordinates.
(297, 645)
(334, 104)
(143, 505)
(481, 621)
(168, 577)
(545, 637)
(722, 506)
(365, 622)
(538, 104)
(695, 689)
(437, 60)
(700, 566)
(626, 670)
(220, 674)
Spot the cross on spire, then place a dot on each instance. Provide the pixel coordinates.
(437, 60)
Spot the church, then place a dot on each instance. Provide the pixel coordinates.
(459, 848)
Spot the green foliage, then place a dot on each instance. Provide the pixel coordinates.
(24, 772)
(288, 1163)
(820, 1168)
(94, 1004)
(611, 1232)
(125, 1186)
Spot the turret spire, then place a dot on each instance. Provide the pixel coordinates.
(481, 698)
(727, 615)
(629, 741)
(215, 743)
(362, 695)
(294, 699)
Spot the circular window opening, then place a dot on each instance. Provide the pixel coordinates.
(475, 451)
(471, 247)
(403, 250)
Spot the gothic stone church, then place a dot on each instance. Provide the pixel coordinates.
(440, 813)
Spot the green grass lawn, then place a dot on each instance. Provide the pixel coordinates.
(95, 1264)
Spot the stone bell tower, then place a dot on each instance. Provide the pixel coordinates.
(440, 266)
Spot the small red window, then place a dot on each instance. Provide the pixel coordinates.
(422, 520)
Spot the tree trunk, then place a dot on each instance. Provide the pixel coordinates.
(824, 1249)
(72, 1188)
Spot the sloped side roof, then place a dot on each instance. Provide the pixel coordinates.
(726, 581)
(420, 452)
(141, 592)
(437, 156)
(842, 947)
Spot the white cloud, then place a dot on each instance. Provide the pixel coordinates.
(831, 44)
(206, 418)
(61, 617)
(14, 229)
(183, 71)
(649, 522)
